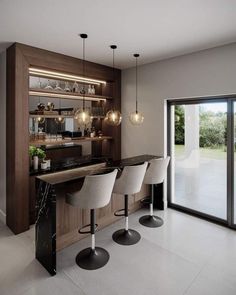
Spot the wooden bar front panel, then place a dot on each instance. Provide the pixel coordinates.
(70, 219)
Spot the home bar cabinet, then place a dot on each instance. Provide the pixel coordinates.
(24, 62)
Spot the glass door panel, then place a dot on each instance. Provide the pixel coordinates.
(234, 160)
(199, 157)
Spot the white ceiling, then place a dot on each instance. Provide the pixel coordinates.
(157, 29)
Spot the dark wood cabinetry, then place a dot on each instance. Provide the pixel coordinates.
(19, 59)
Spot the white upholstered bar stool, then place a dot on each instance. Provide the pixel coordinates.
(95, 193)
(130, 182)
(155, 174)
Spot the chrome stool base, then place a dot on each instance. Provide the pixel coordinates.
(126, 237)
(92, 259)
(151, 221)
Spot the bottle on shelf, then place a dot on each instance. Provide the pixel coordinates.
(93, 132)
(82, 91)
(75, 87)
(89, 89)
(92, 90)
(67, 87)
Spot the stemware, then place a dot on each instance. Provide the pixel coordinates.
(58, 88)
(48, 86)
(67, 87)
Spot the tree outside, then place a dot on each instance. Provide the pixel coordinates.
(212, 132)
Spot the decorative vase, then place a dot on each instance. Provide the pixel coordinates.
(36, 162)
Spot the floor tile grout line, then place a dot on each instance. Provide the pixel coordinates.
(172, 252)
(194, 279)
(76, 284)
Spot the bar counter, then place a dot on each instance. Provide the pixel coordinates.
(57, 223)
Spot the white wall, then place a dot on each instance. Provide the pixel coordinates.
(3, 136)
(209, 72)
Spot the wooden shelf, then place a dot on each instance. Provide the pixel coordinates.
(64, 141)
(57, 116)
(66, 95)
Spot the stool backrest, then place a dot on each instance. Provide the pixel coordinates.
(156, 171)
(95, 192)
(131, 179)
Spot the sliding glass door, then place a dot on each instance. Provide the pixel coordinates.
(202, 145)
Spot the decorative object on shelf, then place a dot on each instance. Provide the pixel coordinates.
(35, 162)
(36, 154)
(48, 86)
(67, 87)
(41, 106)
(60, 119)
(136, 118)
(50, 106)
(83, 115)
(58, 88)
(44, 165)
(113, 117)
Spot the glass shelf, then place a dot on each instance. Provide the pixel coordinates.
(66, 95)
(66, 141)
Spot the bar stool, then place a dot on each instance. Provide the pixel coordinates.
(95, 193)
(155, 174)
(128, 183)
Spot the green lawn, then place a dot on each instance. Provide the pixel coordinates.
(218, 153)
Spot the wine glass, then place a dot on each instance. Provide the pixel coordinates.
(48, 86)
(58, 88)
(67, 87)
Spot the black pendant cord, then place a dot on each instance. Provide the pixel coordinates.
(113, 47)
(136, 55)
(83, 36)
(83, 73)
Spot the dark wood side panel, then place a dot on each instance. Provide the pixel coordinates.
(17, 141)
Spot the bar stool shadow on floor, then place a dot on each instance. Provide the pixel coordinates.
(95, 193)
(130, 182)
(155, 174)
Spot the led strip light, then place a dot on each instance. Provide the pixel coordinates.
(68, 96)
(61, 76)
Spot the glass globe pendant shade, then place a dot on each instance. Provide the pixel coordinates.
(83, 117)
(40, 120)
(136, 118)
(113, 118)
(60, 120)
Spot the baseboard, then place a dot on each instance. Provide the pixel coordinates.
(2, 216)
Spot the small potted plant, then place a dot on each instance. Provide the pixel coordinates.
(36, 154)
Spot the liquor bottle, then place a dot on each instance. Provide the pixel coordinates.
(90, 89)
(75, 87)
(93, 90)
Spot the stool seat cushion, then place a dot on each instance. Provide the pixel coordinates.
(131, 179)
(156, 171)
(95, 192)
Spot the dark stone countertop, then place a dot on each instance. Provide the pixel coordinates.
(69, 163)
(92, 168)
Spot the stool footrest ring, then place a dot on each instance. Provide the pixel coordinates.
(116, 213)
(81, 231)
(145, 201)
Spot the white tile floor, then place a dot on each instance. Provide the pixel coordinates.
(185, 256)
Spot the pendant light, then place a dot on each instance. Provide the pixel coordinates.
(60, 119)
(39, 119)
(113, 117)
(83, 115)
(136, 118)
